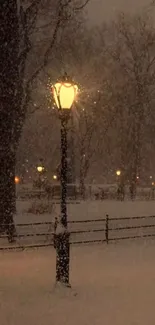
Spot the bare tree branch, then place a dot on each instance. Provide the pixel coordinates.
(83, 5)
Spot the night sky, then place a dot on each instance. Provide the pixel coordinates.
(102, 9)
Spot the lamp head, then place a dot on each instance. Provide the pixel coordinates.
(64, 92)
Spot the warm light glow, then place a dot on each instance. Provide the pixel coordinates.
(17, 180)
(64, 94)
(137, 177)
(152, 183)
(150, 177)
(118, 172)
(40, 169)
(55, 177)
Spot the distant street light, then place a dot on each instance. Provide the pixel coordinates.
(118, 172)
(64, 93)
(55, 177)
(40, 169)
(17, 180)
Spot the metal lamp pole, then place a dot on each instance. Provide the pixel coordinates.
(62, 235)
(72, 151)
(63, 177)
(64, 94)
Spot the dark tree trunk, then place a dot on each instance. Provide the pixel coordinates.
(133, 176)
(133, 190)
(135, 159)
(82, 185)
(7, 194)
(9, 53)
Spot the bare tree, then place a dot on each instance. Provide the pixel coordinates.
(130, 46)
(85, 146)
(90, 129)
(20, 43)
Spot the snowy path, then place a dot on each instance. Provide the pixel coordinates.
(115, 285)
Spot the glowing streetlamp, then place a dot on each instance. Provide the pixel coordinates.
(55, 177)
(64, 93)
(17, 180)
(118, 172)
(40, 169)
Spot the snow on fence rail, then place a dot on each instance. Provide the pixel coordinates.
(41, 234)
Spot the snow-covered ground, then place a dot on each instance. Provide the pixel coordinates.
(112, 285)
(82, 211)
(89, 210)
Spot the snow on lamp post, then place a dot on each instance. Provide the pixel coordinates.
(64, 93)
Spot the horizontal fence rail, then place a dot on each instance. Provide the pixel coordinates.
(104, 230)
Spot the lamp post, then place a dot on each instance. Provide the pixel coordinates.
(120, 189)
(64, 92)
(72, 153)
(40, 169)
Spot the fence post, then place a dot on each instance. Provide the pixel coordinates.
(107, 229)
